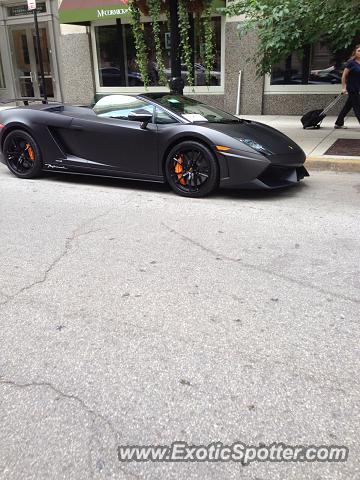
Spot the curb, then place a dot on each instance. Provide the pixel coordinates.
(342, 164)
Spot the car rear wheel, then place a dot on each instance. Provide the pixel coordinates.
(192, 170)
(22, 154)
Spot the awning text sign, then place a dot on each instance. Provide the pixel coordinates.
(85, 11)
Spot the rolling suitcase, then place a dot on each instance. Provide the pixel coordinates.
(314, 118)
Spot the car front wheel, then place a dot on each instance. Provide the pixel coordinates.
(191, 169)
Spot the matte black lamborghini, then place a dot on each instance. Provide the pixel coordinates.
(159, 137)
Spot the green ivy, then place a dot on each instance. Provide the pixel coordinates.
(155, 10)
(140, 45)
(209, 51)
(286, 26)
(184, 28)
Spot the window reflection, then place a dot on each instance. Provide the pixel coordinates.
(117, 56)
(316, 65)
(120, 106)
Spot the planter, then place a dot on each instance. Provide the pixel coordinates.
(144, 9)
(196, 6)
(142, 6)
(193, 6)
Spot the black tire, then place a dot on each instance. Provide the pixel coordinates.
(191, 169)
(22, 154)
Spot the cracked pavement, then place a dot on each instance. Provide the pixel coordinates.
(129, 315)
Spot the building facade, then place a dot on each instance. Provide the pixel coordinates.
(88, 51)
(19, 69)
(67, 78)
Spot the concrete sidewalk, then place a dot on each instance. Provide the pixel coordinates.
(316, 142)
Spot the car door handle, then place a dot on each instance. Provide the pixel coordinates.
(76, 127)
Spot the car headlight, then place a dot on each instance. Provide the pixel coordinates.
(255, 145)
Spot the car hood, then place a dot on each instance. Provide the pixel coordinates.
(268, 137)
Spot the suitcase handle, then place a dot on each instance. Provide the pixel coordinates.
(332, 104)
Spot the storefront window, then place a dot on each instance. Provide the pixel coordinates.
(117, 57)
(316, 65)
(110, 54)
(199, 69)
(2, 77)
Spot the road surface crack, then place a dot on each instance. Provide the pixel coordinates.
(75, 235)
(63, 395)
(251, 266)
(84, 407)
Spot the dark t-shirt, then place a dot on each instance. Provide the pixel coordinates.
(353, 82)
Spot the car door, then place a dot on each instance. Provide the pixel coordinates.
(112, 143)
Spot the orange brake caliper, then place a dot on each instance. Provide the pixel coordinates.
(30, 151)
(179, 170)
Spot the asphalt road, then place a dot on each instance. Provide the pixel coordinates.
(129, 315)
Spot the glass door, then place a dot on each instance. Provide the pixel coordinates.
(26, 62)
(45, 53)
(23, 64)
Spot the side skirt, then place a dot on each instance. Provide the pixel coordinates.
(63, 169)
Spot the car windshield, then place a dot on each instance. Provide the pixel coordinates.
(193, 110)
(119, 106)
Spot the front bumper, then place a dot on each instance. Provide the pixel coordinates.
(273, 177)
(260, 171)
(279, 176)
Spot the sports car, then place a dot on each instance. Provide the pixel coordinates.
(158, 137)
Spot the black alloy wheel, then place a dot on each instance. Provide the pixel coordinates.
(192, 170)
(22, 154)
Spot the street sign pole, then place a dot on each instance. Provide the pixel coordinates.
(41, 64)
(32, 6)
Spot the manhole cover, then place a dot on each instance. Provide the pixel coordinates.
(346, 147)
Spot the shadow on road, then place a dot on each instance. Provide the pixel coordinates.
(277, 193)
(233, 194)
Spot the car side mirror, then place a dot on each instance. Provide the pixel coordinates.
(142, 116)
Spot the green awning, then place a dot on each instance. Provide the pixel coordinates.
(82, 11)
(85, 11)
